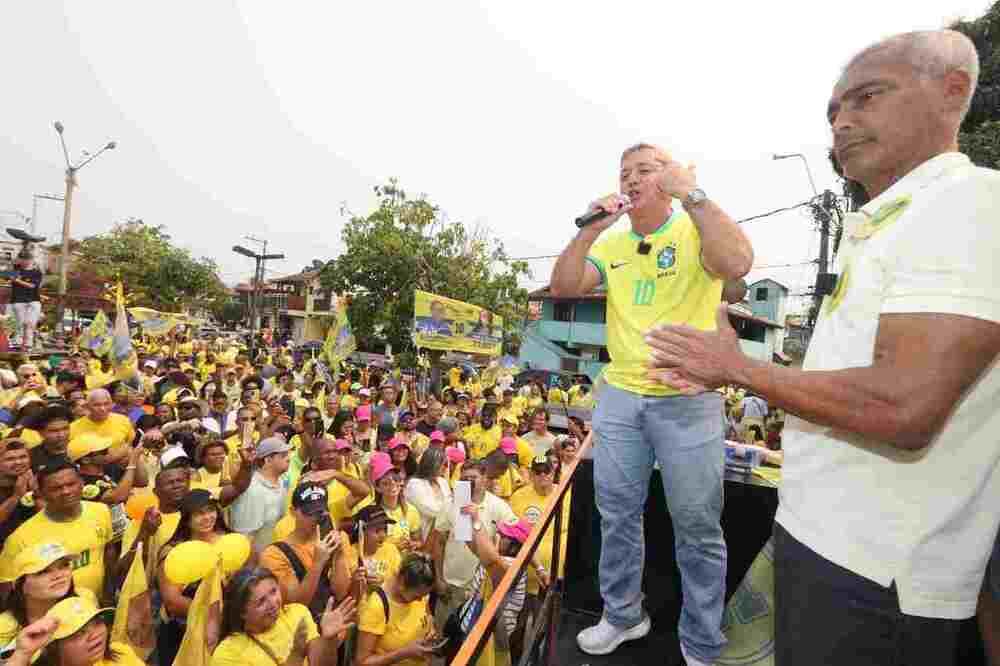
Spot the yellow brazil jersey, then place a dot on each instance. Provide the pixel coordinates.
(116, 427)
(407, 623)
(481, 442)
(528, 504)
(667, 285)
(85, 536)
(407, 523)
(386, 561)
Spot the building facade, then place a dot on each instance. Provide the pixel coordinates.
(571, 334)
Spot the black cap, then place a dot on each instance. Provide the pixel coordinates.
(310, 499)
(195, 500)
(373, 514)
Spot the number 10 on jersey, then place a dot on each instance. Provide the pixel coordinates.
(644, 292)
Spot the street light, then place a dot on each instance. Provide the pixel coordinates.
(71, 171)
(804, 161)
(258, 277)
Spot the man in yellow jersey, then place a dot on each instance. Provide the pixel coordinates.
(668, 267)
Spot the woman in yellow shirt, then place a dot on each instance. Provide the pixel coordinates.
(43, 576)
(259, 628)
(404, 526)
(75, 632)
(394, 623)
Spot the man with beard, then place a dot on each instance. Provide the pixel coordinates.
(483, 438)
(53, 425)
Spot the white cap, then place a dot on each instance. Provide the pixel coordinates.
(172, 454)
(365, 392)
(149, 364)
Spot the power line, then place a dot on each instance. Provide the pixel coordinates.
(773, 212)
(799, 263)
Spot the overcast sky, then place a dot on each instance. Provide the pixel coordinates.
(262, 118)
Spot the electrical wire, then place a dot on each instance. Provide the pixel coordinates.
(774, 212)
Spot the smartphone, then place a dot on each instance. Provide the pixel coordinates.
(437, 645)
(325, 525)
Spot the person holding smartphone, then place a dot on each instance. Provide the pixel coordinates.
(310, 565)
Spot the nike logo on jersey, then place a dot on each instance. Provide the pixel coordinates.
(618, 264)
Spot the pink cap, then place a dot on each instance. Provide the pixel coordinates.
(517, 530)
(455, 454)
(363, 413)
(396, 442)
(508, 445)
(379, 465)
(341, 445)
(437, 436)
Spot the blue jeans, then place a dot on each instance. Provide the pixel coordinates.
(684, 434)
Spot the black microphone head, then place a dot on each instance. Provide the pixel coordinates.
(644, 247)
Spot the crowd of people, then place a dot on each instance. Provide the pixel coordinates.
(343, 492)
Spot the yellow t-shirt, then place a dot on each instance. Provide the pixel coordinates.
(117, 427)
(240, 650)
(406, 523)
(387, 559)
(528, 504)
(86, 536)
(168, 525)
(481, 442)
(348, 402)
(668, 285)
(557, 396)
(455, 378)
(124, 657)
(407, 623)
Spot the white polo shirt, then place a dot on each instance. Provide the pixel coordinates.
(924, 519)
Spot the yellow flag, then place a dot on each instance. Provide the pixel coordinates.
(203, 621)
(134, 614)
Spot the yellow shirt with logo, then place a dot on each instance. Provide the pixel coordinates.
(240, 650)
(386, 561)
(85, 536)
(667, 285)
(481, 443)
(527, 503)
(407, 522)
(407, 623)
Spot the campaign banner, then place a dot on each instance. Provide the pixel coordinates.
(340, 341)
(450, 325)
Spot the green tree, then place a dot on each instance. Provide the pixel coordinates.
(980, 133)
(404, 244)
(159, 274)
(229, 312)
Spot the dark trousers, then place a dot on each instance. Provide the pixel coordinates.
(826, 615)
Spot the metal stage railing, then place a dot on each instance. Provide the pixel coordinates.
(545, 628)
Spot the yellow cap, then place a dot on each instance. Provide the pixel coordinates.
(35, 558)
(509, 418)
(74, 613)
(87, 443)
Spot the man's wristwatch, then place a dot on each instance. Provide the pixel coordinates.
(695, 197)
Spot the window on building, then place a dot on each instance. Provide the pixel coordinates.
(562, 312)
(761, 293)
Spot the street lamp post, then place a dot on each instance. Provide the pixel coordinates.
(806, 163)
(71, 171)
(258, 278)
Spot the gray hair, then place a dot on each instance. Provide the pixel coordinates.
(933, 53)
(661, 154)
(98, 393)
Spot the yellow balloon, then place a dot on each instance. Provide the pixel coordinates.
(137, 504)
(235, 551)
(190, 562)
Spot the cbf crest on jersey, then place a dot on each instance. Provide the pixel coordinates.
(666, 258)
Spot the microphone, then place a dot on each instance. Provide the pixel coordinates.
(597, 215)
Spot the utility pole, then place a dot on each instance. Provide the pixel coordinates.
(258, 279)
(826, 282)
(71, 183)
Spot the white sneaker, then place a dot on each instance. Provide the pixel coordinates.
(604, 637)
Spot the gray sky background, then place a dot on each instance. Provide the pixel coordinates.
(261, 118)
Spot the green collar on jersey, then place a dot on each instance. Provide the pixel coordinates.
(660, 230)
